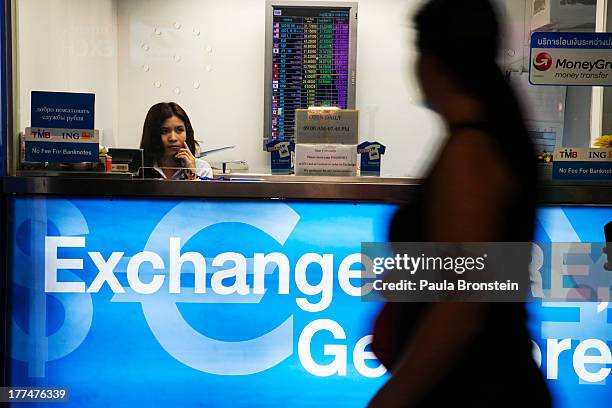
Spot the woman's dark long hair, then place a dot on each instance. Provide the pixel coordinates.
(151, 132)
(464, 36)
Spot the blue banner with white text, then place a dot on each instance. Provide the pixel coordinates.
(136, 302)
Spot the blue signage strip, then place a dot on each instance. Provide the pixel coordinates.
(62, 110)
(571, 40)
(61, 152)
(582, 170)
(298, 342)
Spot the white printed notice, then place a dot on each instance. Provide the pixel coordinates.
(325, 160)
(571, 59)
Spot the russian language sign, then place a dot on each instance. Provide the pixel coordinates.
(571, 59)
(62, 110)
(574, 163)
(62, 128)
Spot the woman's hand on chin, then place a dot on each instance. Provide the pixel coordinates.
(186, 158)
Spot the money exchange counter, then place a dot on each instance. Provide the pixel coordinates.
(238, 293)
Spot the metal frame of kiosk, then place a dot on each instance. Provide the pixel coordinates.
(5, 132)
(7, 147)
(3, 88)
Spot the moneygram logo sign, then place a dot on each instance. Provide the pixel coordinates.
(543, 61)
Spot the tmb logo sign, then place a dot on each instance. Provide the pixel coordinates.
(542, 61)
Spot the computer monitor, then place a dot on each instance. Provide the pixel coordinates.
(127, 160)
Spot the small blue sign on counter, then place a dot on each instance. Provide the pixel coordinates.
(62, 110)
(371, 153)
(61, 145)
(582, 164)
(62, 128)
(280, 156)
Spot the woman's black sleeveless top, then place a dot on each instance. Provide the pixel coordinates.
(498, 361)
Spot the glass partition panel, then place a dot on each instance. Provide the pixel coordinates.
(209, 57)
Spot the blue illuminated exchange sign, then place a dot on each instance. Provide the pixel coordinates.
(181, 342)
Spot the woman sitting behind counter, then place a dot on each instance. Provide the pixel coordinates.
(168, 144)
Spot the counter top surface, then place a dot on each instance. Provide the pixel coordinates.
(368, 189)
(394, 190)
